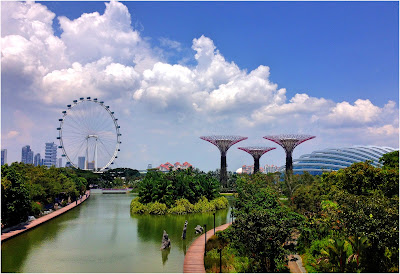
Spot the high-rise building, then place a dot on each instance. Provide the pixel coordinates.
(50, 154)
(27, 155)
(3, 156)
(91, 165)
(81, 162)
(59, 162)
(37, 161)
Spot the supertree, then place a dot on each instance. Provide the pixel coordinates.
(289, 142)
(256, 152)
(223, 142)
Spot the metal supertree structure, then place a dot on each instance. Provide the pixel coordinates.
(223, 142)
(289, 142)
(256, 152)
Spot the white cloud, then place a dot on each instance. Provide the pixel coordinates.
(101, 55)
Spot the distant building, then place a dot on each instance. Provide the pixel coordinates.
(81, 162)
(50, 154)
(59, 162)
(3, 156)
(91, 165)
(27, 155)
(270, 168)
(37, 160)
(249, 169)
(149, 166)
(167, 166)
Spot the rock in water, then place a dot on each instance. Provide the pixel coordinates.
(166, 242)
(198, 229)
(184, 230)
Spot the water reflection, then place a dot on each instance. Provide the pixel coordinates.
(164, 255)
(150, 227)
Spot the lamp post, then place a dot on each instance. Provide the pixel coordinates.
(220, 260)
(205, 240)
(214, 222)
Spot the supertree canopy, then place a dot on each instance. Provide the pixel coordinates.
(223, 142)
(289, 142)
(256, 152)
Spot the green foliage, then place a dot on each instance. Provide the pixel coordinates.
(181, 206)
(15, 201)
(262, 224)
(390, 160)
(25, 186)
(36, 208)
(137, 207)
(156, 208)
(186, 184)
(356, 207)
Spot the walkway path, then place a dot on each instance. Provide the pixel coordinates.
(24, 227)
(194, 258)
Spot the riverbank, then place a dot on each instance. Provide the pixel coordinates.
(27, 226)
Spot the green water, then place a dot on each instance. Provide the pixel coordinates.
(102, 236)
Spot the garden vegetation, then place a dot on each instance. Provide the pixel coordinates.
(177, 192)
(28, 190)
(348, 221)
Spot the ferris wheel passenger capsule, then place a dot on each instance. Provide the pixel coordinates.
(88, 98)
(81, 98)
(75, 101)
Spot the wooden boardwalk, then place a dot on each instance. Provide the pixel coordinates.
(23, 228)
(194, 259)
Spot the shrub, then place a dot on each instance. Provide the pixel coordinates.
(156, 208)
(203, 205)
(36, 208)
(137, 207)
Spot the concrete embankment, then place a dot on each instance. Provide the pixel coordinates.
(27, 226)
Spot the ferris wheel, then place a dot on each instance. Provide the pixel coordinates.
(89, 135)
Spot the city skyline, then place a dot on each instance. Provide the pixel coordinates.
(330, 70)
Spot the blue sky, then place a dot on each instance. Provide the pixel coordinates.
(337, 63)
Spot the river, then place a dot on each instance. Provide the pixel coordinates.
(101, 236)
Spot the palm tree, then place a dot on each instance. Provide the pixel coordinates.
(336, 253)
(359, 244)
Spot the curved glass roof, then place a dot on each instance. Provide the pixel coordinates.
(332, 159)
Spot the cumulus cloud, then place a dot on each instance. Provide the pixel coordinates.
(101, 55)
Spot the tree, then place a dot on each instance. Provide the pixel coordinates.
(15, 201)
(390, 160)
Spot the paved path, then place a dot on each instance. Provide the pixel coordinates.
(194, 259)
(22, 228)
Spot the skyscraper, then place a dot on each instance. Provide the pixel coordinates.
(59, 162)
(81, 162)
(37, 161)
(27, 155)
(3, 156)
(50, 154)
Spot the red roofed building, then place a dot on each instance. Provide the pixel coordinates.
(177, 165)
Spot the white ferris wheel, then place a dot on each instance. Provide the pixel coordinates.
(89, 135)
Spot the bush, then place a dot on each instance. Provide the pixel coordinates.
(36, 208)
(156, 208)
(182, 206)
(137, 207)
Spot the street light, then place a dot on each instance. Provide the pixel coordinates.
(205, 240)
(220, 260)
(214, 222)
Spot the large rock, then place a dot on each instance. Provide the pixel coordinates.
(198, 229)
(184, 230)
(166, 242)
